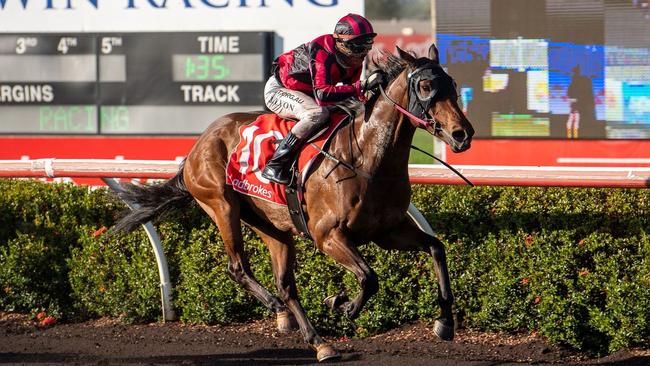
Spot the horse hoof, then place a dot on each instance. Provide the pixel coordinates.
(335, 301)
(443, 331)
(286, 321)
(325, 352)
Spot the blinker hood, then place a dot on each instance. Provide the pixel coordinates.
(419, 103)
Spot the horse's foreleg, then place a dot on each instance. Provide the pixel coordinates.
(226, 215)
(342, 250)
(444, 326)
(283, 257)
(408, 237)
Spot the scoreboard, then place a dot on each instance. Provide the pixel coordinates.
(166, 83)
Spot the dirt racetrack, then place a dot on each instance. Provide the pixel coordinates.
(110, 342)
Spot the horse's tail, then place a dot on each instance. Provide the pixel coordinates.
(149, 202)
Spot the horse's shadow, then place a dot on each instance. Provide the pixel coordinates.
(279, 356)
(266, 356)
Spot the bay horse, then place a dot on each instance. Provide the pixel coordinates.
(344, 209)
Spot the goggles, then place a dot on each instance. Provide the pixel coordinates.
(359, 44)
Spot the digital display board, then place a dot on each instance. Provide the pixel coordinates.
(48, 84)
(550, 68)
(129, 83)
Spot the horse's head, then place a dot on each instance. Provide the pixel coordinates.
(430, 98)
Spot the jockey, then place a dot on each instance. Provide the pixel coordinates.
(309, 78)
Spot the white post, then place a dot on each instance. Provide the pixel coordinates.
(434, 22)
(419, 219)
(161, 260)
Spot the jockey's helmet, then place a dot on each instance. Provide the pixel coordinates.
(354, 37)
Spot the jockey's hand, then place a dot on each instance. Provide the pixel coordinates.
(374, 80)
(360, 93)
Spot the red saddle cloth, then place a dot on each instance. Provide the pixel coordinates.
(256, 147)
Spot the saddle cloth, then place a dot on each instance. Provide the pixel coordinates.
(256, 147)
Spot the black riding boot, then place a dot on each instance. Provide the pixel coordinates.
(277, 169)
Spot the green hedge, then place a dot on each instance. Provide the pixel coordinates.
(570, 264)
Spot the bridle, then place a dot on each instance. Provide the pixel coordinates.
(420, 105)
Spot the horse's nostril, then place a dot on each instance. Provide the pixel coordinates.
(459, 135)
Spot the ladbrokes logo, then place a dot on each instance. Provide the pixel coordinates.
(245, 185)
(244, 171)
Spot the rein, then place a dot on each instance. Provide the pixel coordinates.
(445, 164)
(422, 123)
(352, 117)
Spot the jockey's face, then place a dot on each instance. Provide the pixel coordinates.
(352, 52)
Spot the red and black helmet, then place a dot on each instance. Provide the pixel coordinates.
(354, 37)
(352, 26)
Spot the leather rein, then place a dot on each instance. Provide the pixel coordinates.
(417, 121)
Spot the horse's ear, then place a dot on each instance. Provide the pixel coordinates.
(405, 55)
(433, 53)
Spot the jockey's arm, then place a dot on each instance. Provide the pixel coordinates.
(324, 92)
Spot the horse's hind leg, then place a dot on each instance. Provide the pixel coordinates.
(226, 214)
(407, 237)
(283, 256)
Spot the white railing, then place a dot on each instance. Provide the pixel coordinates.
(540, 176)
(547, 176)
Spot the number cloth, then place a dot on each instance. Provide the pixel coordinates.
(256, 147)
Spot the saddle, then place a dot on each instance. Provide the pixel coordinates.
(256, 147)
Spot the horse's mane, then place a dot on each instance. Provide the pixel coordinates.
(388, 63)
(391, 65)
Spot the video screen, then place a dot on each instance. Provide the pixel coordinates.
(550, 68)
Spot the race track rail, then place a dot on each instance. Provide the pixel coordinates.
(543, 176)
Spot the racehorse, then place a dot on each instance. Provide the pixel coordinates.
(346, 205)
